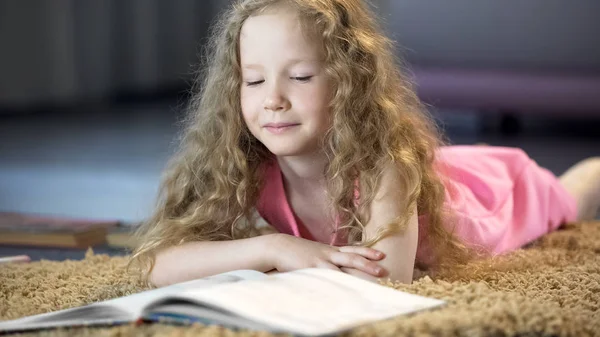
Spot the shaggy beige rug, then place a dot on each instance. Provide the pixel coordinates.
(552, 288)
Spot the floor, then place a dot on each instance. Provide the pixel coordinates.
(104, 161)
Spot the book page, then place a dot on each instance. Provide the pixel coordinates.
(137, 302)
(93, 314)
(189, 313)
(123, 309)
(312, 301)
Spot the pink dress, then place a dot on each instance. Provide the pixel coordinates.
(502, 200)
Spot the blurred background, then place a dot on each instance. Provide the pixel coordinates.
(91, 90)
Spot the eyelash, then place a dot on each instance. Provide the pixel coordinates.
(302, 79)
(251, 84)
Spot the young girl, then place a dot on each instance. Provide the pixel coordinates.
(305, 117)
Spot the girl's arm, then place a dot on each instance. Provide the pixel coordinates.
(400, 249)
(264, 253)
(194, 260)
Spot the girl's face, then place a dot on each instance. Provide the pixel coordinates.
(284, 93)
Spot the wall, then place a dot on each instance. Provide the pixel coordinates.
(532, 34)
(65, 50)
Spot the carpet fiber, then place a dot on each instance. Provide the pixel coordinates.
(551, 288)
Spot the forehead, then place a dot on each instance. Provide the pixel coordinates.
(276, 33)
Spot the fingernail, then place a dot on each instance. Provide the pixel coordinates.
(378, 271)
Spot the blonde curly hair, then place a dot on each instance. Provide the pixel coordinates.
(212, 184)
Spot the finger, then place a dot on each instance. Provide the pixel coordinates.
(331, 266)
(357, 262)
(369, 253)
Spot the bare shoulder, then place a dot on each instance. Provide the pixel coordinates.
(390, 185)
(390, 202)
(389, 208)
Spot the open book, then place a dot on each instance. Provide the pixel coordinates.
(302, 302)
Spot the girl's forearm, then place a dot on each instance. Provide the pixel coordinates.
(194, 260)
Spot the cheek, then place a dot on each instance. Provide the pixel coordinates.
(247, 106)
(249, 118)
(243, 99)
(318, 103)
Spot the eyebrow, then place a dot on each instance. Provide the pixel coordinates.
(290, 63)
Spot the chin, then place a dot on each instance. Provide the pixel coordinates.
(287, 150)
(279, 152)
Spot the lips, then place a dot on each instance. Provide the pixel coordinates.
(280, 128)
(279, 125)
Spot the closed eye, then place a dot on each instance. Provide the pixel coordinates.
(253, 83)
(302, 78)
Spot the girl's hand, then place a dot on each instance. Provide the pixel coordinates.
(291, 253)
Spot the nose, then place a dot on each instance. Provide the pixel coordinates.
(276, 100)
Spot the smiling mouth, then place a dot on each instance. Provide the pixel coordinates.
(278, 128)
